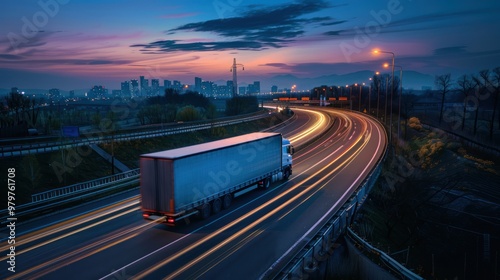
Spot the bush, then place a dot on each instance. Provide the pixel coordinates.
(188, 113)
(414, 123)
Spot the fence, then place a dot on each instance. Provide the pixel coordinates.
(85, 186)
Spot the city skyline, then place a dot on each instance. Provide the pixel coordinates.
(72, 44)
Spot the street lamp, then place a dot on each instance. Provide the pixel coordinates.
(378, 93)
(350, 97)
(392, 89)
(401, 93)
(370, 97)
(360, 89)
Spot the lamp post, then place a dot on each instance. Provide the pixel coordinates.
(370, 97)
(356, 84)
(386, 93)
(392, 89)
(360, 89)
(350, 98)
(378, 93)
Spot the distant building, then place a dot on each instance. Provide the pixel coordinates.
(253, 88)
(167, 84)
(134, 87)
(274, 89)
(98, 92)
(54, 93)
(242, 90)
(126, 90)
(117, 93)
(14, 89)
(197, 84)
(207, 89)
(229, 86)
(177, 86)
(144, 85)
(222, 91)
(155, 87)
(256, 86)
(71, 94)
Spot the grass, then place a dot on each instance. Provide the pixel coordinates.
(441, 210)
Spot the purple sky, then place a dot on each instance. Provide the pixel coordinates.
(75, 44)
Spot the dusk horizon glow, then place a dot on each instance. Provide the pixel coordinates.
(71, 44)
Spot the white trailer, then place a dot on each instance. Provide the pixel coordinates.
(202, 179)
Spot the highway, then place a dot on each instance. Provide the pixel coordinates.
(253, 239)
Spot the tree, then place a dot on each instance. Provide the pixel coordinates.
(443, 82)
(241, 105)
(480, 88)
(188, 113)
(495, 83)
(496, 80)
(466, 87)
(488, 86)
(408, 100)
(31, 171)
(172, 96)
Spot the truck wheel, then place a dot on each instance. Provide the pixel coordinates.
(226, 201)
(266, 184)
(204, 211)
(216, 205)
(286, 175)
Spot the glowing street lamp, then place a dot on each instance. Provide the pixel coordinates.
(378, 93)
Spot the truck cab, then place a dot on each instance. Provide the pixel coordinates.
(287, 152)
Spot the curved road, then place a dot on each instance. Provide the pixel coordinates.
(261, 230)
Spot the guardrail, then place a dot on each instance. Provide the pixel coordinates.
(319, 248)
(39, 208)
(305, 263)
(98, 137)
(85, 186)
(58, 197)
(397, 267)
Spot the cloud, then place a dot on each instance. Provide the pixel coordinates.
(177, 16)
(450, 50)
(257, 28)
(415, 23)
(10, 56)
(278, 65)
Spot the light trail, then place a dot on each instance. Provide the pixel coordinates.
(298, 197)
(320, 123)
(240, 219)
(84, 252)
(72, 223)
(328, 213)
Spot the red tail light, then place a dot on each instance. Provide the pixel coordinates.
(170, 220)
(145, 215)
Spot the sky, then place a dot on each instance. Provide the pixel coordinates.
(74, 44)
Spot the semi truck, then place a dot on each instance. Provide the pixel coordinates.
(203, 179)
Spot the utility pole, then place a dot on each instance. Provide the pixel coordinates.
(235, 79)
